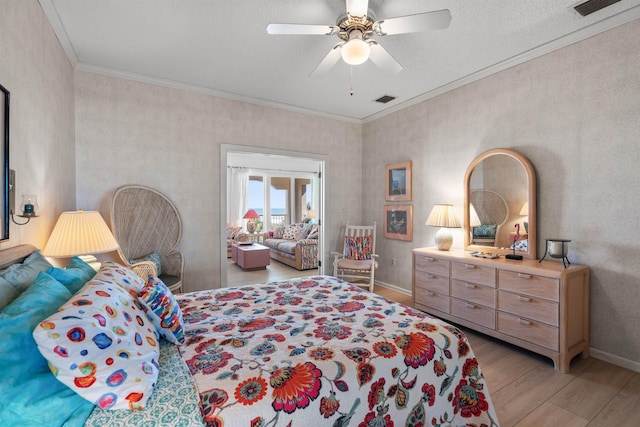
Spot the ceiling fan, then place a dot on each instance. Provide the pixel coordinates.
(355, 30)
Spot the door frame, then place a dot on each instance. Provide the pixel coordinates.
(323, 162)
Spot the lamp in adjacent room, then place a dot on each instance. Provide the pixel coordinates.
(251, 215)
(311, 214)
(442, 216)
(80, 233)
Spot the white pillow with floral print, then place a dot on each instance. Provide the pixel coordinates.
(291, 231)
(102, 346)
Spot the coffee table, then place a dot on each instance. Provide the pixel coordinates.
(251, 257)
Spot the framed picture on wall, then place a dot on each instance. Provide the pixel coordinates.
(398, 182)
(398, 222)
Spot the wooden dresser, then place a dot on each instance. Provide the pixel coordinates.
(542, 307)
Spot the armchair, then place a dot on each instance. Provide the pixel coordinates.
(148, 228)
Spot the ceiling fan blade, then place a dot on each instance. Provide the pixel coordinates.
(357, 7)
(301, 29)
(328, 62)
(383, 59)
(436, 20)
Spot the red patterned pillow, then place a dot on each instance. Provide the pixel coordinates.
(278, 232)
(358, 247)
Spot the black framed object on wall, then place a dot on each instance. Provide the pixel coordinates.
(4, 161)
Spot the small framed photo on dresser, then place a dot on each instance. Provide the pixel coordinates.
(398, 182)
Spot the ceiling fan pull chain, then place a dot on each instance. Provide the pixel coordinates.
(351, 80)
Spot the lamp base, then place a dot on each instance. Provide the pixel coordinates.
(444, 239)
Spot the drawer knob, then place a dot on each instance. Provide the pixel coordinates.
(469, 266)
(524, 322)
(470, 286)
(433, 294)
(524, 276)
(523, 299)
(429, 259)
(469, 305)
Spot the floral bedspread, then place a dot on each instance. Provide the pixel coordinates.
(318, 351)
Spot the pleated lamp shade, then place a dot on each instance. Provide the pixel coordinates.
(443, 216)
(80, 233)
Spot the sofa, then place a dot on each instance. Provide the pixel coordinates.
(295, 245)
(234, 234)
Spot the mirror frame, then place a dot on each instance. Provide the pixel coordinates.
(531, 177)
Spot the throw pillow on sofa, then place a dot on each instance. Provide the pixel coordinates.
(291, 231)
(278, 232)
(313, 234)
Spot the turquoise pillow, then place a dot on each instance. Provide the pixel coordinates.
(74, 276)
(21, 275)
(485, 231)
(154, 257)
(7, 293)
(29, 393)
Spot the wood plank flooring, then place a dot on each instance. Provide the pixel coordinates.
(526, 390)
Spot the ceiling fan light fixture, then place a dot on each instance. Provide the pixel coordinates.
(356, 51)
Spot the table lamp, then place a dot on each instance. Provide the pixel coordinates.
(251, 215)
(80, 233)
(442, 216)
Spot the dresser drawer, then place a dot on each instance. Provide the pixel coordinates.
(433, 299)
(484, 295)
(528, 330)
(530, 307)
(474, 273)
(530, 284)
(431, 282)
(473, 312)
(432, 265)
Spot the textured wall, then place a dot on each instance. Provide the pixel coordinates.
(136, 133)
(35, 69)
(575, 114)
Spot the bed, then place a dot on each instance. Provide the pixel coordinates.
(312, 351)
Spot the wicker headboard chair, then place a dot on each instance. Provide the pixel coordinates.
(493, 212)
(148, 227)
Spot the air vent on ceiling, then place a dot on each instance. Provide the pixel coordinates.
(385, 98)
(590, 6)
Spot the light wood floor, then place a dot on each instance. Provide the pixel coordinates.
(528, 392)
(236, 276)
(525, 389)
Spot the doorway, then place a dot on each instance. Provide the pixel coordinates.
(284, 186)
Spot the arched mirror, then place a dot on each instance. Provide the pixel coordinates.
(500, 204)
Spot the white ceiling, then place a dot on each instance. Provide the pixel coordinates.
(221, 47)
